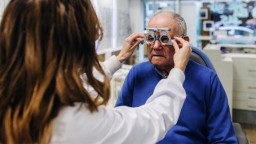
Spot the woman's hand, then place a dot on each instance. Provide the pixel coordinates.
(129, 45)
(181, 56)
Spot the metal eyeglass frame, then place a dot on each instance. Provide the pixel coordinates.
(152, 32)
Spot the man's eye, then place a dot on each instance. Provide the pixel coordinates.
(165, 39)
(150, 38)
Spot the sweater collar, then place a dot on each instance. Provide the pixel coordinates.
(160, 73)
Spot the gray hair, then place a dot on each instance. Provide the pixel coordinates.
(180, 22)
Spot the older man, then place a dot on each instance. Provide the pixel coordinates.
(205, 116)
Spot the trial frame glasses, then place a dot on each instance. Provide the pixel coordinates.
(164, 37)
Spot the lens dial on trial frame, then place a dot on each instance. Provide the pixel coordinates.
(151, 35)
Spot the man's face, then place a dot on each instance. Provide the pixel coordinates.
(159, 55)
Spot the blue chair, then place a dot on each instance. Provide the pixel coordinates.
(200, 57)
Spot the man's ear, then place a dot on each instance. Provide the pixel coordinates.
(186, 38)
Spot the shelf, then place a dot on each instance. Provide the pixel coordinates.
(231, 40)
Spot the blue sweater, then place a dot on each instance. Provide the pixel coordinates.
(205, 116)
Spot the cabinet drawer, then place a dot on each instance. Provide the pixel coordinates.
(244, 61)
(244, 104)
(244, 96)
(244, 86)
(244, 69)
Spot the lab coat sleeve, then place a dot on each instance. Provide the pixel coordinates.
(149, 123)
(110, 66)
(146, 124)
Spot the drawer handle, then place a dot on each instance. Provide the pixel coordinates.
(251, 106)
(252, 98)
(251, 87)
(251, 70)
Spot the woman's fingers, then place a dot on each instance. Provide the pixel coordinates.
(175, 45)
(129, 45)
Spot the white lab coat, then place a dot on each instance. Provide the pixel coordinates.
(123, 125)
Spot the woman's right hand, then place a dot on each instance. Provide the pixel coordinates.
(129, 45)
(181, 56)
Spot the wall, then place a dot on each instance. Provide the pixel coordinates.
(122, 21)
(3, 3)
(136, 14)
(190, 12)
(104, 10)
(137, 18)
(115, 19)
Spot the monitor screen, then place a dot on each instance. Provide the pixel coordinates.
(208, 25)
(203, 14)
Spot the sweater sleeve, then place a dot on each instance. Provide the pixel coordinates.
(145, 124)
(219, 124)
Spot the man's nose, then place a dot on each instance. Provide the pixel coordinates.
(156, 44)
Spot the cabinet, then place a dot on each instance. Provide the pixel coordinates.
(224, 70)
(117, 82)
(243, 81)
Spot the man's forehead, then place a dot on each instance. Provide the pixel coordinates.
(163, 25)
(162, 20)
(163, 15)
(160, 25)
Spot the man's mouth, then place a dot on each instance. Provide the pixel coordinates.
(157, 53)
(157, 56)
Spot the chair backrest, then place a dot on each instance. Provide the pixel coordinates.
(200, 57)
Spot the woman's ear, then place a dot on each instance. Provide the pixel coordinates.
(186, 38)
